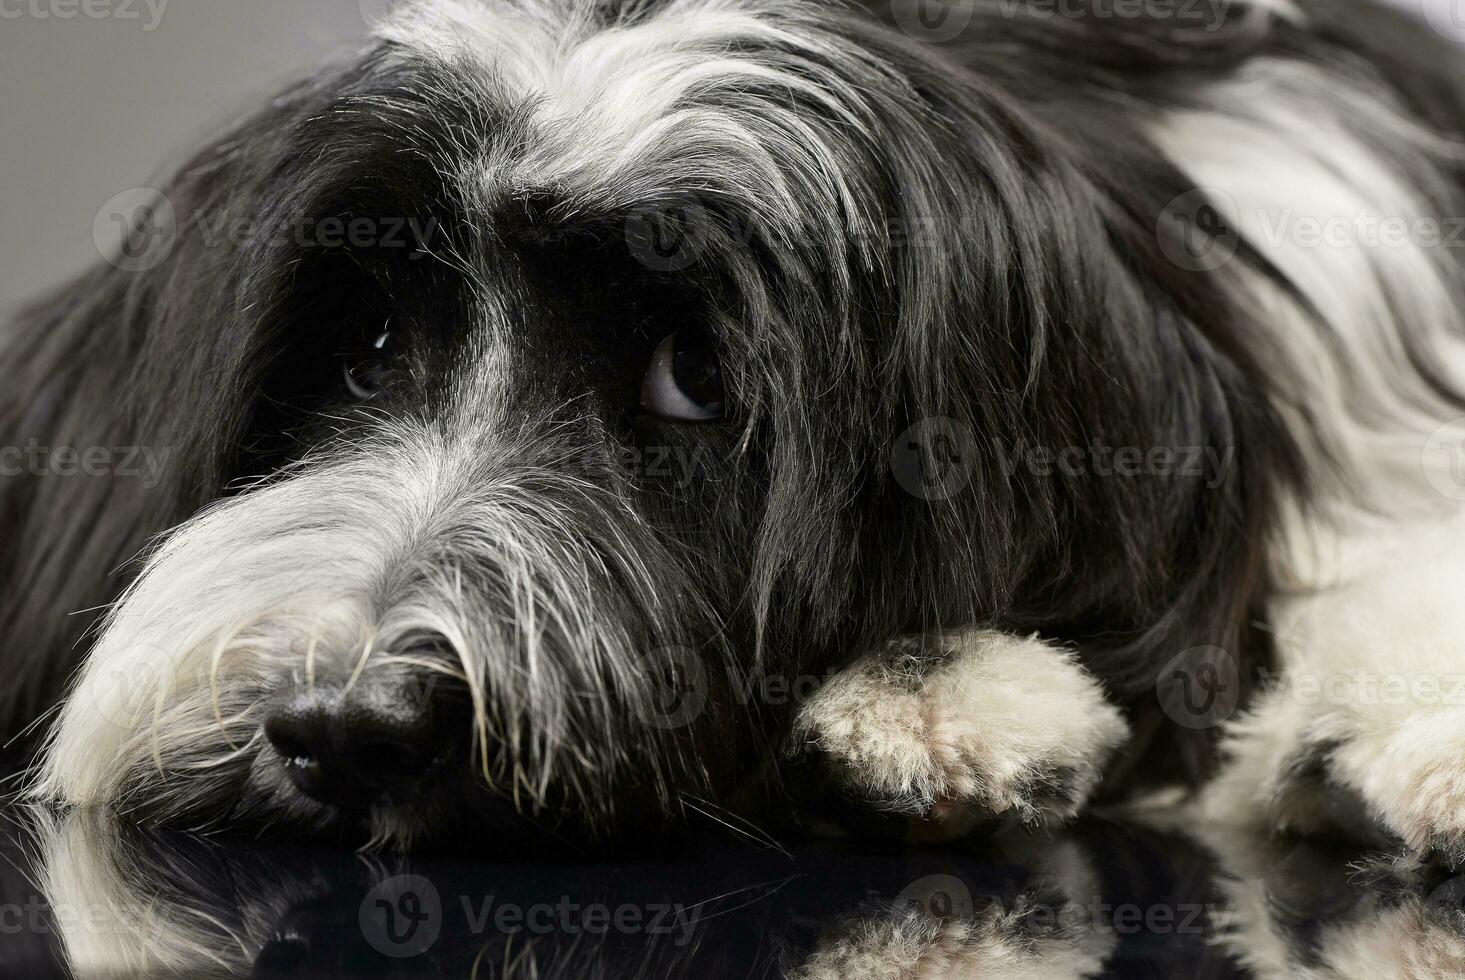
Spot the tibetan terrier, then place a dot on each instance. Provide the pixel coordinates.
(572, 419)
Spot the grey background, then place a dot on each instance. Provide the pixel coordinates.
(92, 106)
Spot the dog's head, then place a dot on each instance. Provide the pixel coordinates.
(543, 382)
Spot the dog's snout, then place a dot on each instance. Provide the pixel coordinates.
(354, 746)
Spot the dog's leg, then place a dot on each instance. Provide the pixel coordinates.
(950, 730)
(1364, 731)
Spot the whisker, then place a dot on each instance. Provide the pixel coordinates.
(366, 652)
(225, 639)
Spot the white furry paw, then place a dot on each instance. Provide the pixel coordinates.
(969, 726)
(1397, 781)
(1414, 781)
(1362, 731)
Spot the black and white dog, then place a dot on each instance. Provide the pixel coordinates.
(542, 400)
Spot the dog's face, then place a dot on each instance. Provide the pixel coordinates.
(583, 369)
(518, 532)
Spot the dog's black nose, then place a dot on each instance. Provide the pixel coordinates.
(352, 747)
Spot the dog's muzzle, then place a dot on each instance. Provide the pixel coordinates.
(415, 628)
(377, 740)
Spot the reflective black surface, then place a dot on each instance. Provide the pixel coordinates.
(82, 895)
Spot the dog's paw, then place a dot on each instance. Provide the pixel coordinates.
(1386, 780)
(1414, 782)
(955, 730)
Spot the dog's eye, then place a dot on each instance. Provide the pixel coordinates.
(367, 372)
(684, 381)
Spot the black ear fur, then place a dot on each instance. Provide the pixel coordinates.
(83, 369)
(142, 364)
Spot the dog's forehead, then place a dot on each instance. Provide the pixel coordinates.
(612, 111)
(580, 66)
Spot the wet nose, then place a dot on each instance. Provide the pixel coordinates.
(354, 746)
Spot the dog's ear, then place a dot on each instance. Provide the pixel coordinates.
(154, 383)
(107, 424)
(120, 396)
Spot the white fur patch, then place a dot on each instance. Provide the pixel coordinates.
(1291, 154)
(668, 104)
(1370, 627)
(1374, 673)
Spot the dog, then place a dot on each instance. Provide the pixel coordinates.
(573, 421)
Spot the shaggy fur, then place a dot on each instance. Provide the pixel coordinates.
(970, 261)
